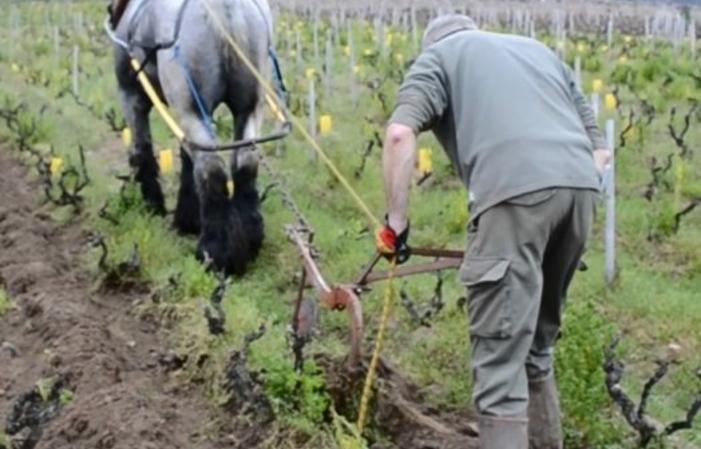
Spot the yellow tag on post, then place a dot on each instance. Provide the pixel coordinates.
(56, 164)
(325, 124)
(165, 160)
(126, 136)
(597, 85)
(230, 187)
(425, 162)
(610, 101)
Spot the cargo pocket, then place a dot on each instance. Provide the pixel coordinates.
(489, 306)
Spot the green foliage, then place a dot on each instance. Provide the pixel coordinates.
(5, 304)
(580, 376)
(299, 397)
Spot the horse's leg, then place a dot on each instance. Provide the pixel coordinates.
(187, 212)
(141, 158)
(244, 172)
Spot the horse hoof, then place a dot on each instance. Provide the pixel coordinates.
(223, 246)
(186, 218)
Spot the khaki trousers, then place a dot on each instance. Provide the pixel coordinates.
(520, 259)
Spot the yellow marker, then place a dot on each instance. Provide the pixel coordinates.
(230, 187)
(15, 68)
(597, 85)
(425, 162)
(56, 164)
(309, 73)
(610, 101)
(165, 160)
(325, 124)
(347, 50)
(126, 136)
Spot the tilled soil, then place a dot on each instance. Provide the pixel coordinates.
(109, 359)
(113, 363)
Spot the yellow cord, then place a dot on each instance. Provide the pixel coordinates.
(367, 388)
(160, 107)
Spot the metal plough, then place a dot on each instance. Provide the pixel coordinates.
(346, 296)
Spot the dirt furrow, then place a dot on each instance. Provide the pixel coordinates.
(121, 396)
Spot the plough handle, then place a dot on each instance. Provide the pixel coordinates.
(447, 259)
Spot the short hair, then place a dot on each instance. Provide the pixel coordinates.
(445, 25)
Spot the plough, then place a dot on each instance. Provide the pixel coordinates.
(347, 295)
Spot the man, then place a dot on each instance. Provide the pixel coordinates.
(526, 145)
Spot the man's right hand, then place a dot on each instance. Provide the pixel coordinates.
(602, 157)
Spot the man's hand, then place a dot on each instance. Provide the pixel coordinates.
(602, 157)
(392, 245)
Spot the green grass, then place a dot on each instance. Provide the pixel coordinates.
(654, 302)
(5, 304)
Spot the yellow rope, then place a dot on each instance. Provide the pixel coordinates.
(367, 388)
(160, 107)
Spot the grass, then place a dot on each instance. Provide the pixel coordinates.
(5, 304)
(654, 301)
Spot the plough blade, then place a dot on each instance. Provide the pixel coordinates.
(335, 298)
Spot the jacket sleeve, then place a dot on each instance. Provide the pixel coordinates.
(586, 113)
(422, 97)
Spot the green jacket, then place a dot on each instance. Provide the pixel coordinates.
(506, 111)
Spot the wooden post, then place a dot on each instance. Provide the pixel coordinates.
(578, 71)
(312, 114)
(595, 103)
(610, 190)
(328, 73)
(57, 46)
(76, 68)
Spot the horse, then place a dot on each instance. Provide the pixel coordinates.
(193, 70)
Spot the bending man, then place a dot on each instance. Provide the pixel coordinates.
(527, 147)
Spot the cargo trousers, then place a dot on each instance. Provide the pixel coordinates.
(519, 262)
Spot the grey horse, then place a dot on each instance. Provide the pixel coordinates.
(194, 70)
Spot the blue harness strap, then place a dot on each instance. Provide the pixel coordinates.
(279, 81)
(209, 124)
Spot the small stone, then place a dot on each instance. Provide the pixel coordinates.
(132, 344)
(674, 352)
(2, 393)
(55, 360)
(10, 349)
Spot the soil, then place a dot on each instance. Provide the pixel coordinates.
(116, 365)
(108, 358)
(399, 411)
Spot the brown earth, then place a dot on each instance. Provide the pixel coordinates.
(116, 365)
(110, 360)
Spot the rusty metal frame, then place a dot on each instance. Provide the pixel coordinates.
(347, 295)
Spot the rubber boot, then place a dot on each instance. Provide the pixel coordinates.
(503, 432)
(544, 426)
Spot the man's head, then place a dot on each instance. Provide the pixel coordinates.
(444, 26)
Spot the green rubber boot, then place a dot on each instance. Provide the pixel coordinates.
(544, 420)
(503, 433)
